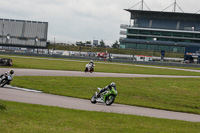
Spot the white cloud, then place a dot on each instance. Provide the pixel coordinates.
(81, 20)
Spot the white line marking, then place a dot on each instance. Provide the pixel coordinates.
(23, 89)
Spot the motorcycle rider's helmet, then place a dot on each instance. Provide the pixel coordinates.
(11, 71)
(91, 61)
(112, 84)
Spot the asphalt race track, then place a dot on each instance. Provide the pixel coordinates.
(10, 94)
(38, 72)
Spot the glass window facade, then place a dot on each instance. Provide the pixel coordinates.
(152, 30)
(161, 36)
(152, 47)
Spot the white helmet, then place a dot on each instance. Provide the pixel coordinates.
(112, 84)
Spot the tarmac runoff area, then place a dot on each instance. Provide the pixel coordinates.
(33, 97)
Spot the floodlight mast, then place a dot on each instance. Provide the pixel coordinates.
(175, 6)
(142, 4)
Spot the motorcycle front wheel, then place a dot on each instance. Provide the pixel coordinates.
(93, 99)
(3, 83)
(86, 70)
(110, 99)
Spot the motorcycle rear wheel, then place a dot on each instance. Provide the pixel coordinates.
(93, 99)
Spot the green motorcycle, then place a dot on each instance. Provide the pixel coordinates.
(107, 97)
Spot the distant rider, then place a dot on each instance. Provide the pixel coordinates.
(108, 87)
(6, 74)
(90, 64)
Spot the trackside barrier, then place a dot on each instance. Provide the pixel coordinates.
(157, 63)
(5, 62)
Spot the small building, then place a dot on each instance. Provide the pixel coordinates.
(143, 58)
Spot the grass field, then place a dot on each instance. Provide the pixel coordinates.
(176, 94)
(23, 118)
(63, 64)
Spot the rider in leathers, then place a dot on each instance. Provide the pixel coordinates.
(108, 87)
(6, 74)
(90, 63)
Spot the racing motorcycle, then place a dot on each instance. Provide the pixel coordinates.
(5, 79)
(89, 68)
(107, 97)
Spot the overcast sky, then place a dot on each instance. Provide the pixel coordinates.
(84, 20)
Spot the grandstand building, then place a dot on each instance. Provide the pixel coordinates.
(22, 33)
(162, 31)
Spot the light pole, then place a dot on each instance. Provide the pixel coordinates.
(54, 43)
(2, 31)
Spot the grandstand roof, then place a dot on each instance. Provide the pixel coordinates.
(28, 21)
(136, 14)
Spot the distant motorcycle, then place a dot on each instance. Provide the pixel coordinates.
(107, 97)
(5, 79)
(89, 68)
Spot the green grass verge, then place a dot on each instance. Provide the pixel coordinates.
(2, 106)
(23, 118)
(78, 65)
(177, 94)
